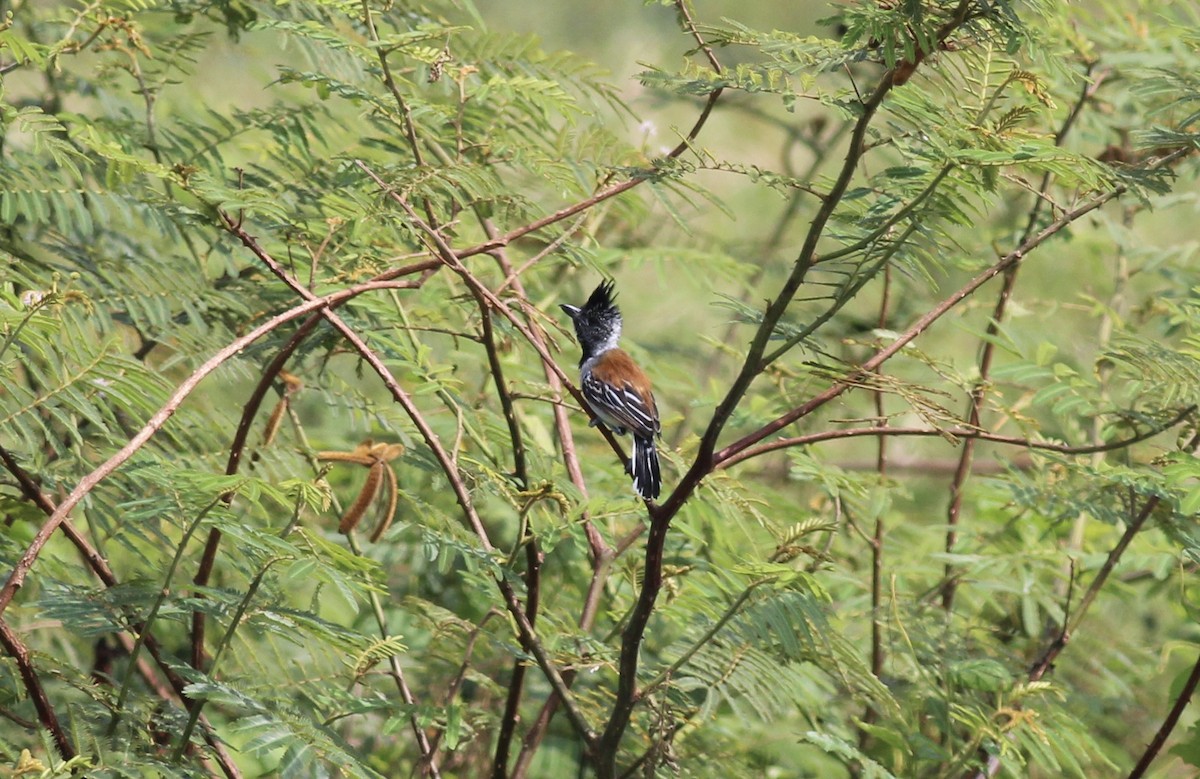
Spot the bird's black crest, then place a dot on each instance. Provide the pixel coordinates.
(598, 321)
(601, 300)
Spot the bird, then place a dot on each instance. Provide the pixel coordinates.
(617, 390)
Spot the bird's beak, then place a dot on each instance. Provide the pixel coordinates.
(572, 311)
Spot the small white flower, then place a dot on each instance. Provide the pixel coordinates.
(648, 129)
(31, 297)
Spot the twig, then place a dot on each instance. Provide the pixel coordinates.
(31, 490)
(238, 445)
(88, 483)
(987, 354)
(1046, 662)
(1168, 725)
(708, 635)
(533, 554)
(396, 671)
(33, 686)
(871, 714)
(948, 433)
(456, 683)
(601, 553)
(527, 634)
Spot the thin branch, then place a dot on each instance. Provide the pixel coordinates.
(1044, 663)
(396, 671)
(871, 714)
(238, 445)
(708, 635)
(31, 490)
(918, 327)
(820, 154)
(948, 433)
(527, 634)
(533, 554)
(389, 81)
(456, 683)
(1168, 725)
(25, 563)
(979, 391)
(601, 553)
(33, 687)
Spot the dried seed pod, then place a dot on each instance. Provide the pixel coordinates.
(367, 494)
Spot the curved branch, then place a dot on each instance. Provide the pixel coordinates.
(33, 687)
(918, 327)
(988, 351)
(21, 570)
(952, 432)
(1160, 737)
(449, 468)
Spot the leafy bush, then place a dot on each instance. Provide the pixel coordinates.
(297, 480)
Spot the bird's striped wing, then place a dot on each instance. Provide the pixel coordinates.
(622, 407)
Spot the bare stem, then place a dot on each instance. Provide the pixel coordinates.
(1168, 725)
(23, 658)
(25, 563)
(988, 351)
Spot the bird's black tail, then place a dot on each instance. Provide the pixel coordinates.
(647, 480)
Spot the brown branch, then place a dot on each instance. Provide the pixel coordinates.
(25, 563)
(100, 567)
(389, 81)
(516, 682)
(527, 634)
(918, 327)
(31, 490)
(250, 410)
(238, 445)
(979, 391)
(820, 152)
(33, 686)
(1055, 648)
(631, 640)
(1168, 725)
(948, 433)
(752, 366)
(600, 551)
(533, 554)
(457, 681)
(876, 541)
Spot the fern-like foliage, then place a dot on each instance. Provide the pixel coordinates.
(912, 283)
